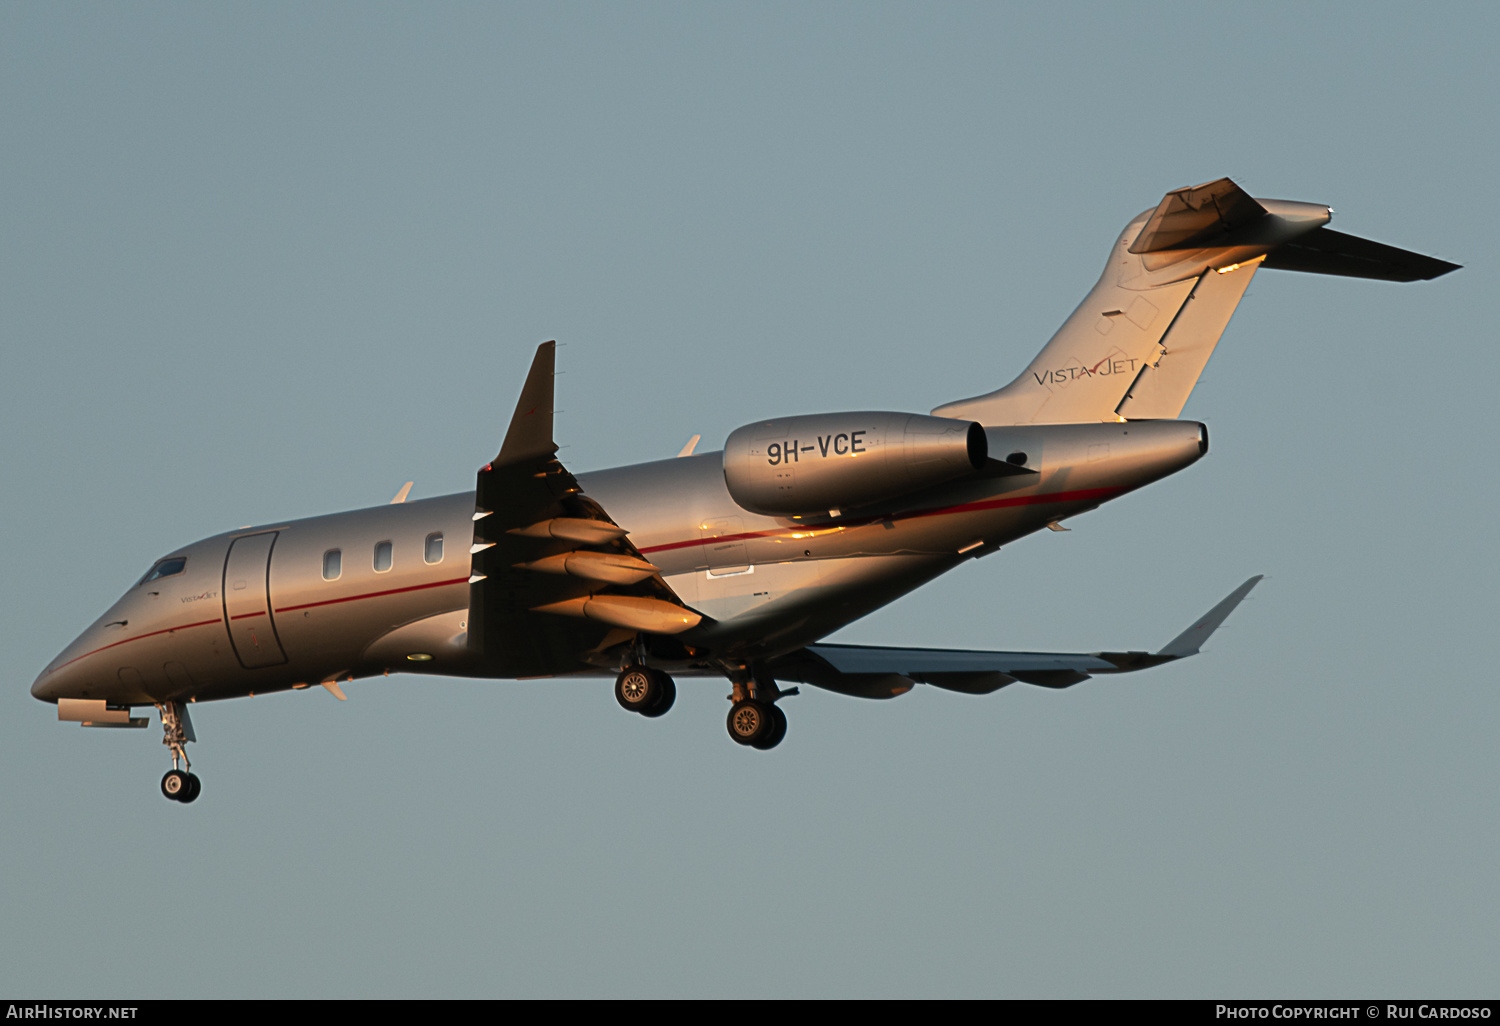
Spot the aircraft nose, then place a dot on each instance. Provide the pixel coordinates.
(66, 676)
(46, 686)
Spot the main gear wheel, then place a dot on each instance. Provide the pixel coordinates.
(640, 689)
(750, 721)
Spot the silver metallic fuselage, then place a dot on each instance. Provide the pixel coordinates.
(252, 612)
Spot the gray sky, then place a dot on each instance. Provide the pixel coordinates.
(273, 260)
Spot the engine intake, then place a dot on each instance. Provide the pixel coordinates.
(795, 466)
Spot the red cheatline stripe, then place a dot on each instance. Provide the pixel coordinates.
(374, 594)
(1080, 495)
(139, 637)
(246, 616)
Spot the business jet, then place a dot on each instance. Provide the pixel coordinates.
(732, 564)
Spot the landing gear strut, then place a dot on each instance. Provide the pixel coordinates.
(180, 785)
(640, 689)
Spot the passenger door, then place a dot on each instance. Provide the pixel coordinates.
(247, 601)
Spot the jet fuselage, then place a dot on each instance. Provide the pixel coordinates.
(386, 589)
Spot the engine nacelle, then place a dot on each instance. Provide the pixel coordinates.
(795, 466)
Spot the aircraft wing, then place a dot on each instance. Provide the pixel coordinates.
(874, 671)
(554, 580)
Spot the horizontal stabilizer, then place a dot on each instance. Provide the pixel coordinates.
(1326, 251)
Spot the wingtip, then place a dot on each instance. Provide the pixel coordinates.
(530, 433)
(1190, 641)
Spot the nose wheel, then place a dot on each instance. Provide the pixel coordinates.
(180, 786)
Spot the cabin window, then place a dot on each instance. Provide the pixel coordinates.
(333, 564)
(433, 551)
(382, 557)
(169, 567)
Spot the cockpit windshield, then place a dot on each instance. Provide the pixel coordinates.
(169, 567)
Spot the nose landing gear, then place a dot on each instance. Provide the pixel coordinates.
(179, 785)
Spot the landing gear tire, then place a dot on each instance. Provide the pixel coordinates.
(776, 732)
(750, 721)
(637, 689)
(195, 786)
(176, 785)
(666, 695)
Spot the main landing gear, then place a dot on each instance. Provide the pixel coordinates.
(180, 785)
(755, 720)
(757, 724)
(640, 689)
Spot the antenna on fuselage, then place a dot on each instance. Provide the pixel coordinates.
(403, 493)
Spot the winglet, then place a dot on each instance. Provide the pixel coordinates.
(1191, 640)
(530, 434)
(402, 494)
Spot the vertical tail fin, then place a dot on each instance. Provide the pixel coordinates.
(1138, 342)
(1162, 386)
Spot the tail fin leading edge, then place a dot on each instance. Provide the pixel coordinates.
(1136, 345)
